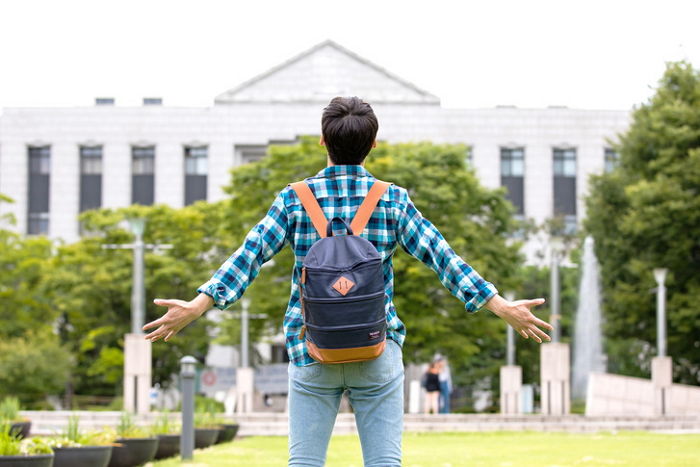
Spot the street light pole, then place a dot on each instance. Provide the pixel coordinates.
(137, 350)
(187, 374)
(554, 295)
(138, 287)
(660, 276)
(510, 336)
(245, 303)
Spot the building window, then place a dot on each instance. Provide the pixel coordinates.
(512, 162)
(248, 153)
(195, 173)
(196, 160)
(142, 168)
(570, 226)
(91, 160)
(469, 156)
(612, 159)
(39, 161)
(565, 162)
(143, 159)
(90, 177)
(512, 175)
(38, 223)
(565, 182)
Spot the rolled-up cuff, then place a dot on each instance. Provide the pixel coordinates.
(486, 292)
(218, 291)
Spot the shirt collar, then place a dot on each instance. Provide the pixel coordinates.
(343, 170)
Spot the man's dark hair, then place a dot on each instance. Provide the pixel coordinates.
(349, 128)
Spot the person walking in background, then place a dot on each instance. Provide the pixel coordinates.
(432, 388)
(445, 378)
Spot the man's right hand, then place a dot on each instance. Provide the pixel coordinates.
(180, 313)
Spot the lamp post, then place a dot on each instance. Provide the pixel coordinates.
(661, 365)
(511, 375)
(245, 303)
(554, 291)
(555, 378)
(137, 225)
(510, 336)
(188, 366)
(137, 350)
(660, 276)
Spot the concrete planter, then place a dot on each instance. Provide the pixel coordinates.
(227, 433)
(131, 452)
(168, 446)
(21, 427)
(205, 437)
(43, 460)
(82, 456)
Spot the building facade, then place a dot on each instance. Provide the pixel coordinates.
(57, 162)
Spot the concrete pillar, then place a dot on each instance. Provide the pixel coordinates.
(244, 390)
(511, 383)
(137, 373)
(555, 379)
(414, 397)
(662, 379)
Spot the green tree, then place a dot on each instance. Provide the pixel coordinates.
(476, 221)
(645, 215)
(23, 262)
(90, 288)
(33, 365)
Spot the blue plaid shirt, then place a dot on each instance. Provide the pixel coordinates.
(395, 221)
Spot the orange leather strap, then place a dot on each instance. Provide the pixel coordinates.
(308, 200)
(367, 207)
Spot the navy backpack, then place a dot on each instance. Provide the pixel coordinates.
(342, 285)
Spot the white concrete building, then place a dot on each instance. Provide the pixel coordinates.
(55, 162)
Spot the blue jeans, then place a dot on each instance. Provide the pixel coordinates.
(444, 397)
(375, 391)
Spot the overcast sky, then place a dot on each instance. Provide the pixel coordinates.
(583, 54)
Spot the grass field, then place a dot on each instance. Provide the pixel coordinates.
(477, 449)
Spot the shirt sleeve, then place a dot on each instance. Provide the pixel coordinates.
(263, 241)
(422, 240)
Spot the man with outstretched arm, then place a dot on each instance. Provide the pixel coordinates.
(375, 387)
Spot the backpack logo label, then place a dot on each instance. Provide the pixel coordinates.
(343, 285)
(374, 334)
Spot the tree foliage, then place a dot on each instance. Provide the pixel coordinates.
(33, 365)
(646, 215)
(90, 288)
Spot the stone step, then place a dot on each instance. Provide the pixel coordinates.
(52, 422)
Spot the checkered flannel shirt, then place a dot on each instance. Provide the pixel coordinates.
(395, 221)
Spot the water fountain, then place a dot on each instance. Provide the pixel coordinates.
(588, 335)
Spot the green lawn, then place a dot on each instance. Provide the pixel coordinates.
(477, 449)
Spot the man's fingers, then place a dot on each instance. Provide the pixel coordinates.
(170, 334)
(153, 324)
(154, 333)
(541, 334)
(523, 333)
(165, 302)
(534, 302)
(543, 324)
(534, 336)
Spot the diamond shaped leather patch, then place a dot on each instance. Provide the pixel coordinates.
(343, 285)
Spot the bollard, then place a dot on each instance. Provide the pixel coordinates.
(187, 374)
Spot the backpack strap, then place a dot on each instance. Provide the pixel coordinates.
(367, 207)
(308, 200)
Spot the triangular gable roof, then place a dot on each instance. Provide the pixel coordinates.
(322, 72)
